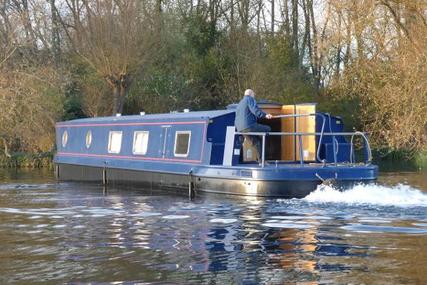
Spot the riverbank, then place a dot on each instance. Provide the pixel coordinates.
(27, 160)
(421, 160)
(399, 160)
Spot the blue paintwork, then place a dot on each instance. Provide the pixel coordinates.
(208, 130)
(333, 124)
(206, 144)
(216, 136)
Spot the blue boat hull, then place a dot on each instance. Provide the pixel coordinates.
(262, 182)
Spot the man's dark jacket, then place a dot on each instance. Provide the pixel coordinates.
(247, 112)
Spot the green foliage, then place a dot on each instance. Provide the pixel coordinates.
(282, 55)
(347, 108)
(201, 34)
(88, 93)
(202, 67)
(278, 75)
(421, 160)
(158, 91)
(31, 100)
(186, 72)
(72, 103)
(27, 160)
(392, 160)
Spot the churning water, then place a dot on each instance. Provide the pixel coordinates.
(61, 232)
(400, 195)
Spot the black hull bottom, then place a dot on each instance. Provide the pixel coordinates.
(179, 183)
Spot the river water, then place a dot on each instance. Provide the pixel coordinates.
(54, 233)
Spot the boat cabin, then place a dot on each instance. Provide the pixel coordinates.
(206, 137)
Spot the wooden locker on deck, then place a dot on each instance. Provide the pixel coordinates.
(306, 125)
(288, 125)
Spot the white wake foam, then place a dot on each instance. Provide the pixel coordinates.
(399, 195)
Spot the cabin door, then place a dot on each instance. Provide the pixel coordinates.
(166, 132)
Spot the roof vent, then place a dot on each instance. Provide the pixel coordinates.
(186, 110)
(118, 115)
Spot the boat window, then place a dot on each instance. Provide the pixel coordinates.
(182, 143)
(64, 138)
(140, 142)
(115, 142)
(88, 139)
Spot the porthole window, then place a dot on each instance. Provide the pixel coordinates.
(114, 142)
(88, 139)
(64, 138)
(182, 143)
(140, 142)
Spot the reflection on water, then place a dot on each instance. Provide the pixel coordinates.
(61, 232)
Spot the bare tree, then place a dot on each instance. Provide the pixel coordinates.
(108, 35)
(382, 67)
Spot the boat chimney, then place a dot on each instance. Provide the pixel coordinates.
(186, 110)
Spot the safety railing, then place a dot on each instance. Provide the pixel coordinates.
(321, 135)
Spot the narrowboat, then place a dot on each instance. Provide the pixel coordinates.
(201, 151)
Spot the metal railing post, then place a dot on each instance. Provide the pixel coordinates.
(263, 151)
(353, 153)
(301, 151)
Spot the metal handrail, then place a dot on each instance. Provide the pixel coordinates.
(368, 147)
(300, 134)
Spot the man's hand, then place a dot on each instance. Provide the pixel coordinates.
(269, 116)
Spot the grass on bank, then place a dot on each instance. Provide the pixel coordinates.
(27, 160)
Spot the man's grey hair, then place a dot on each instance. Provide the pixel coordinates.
(249, 92)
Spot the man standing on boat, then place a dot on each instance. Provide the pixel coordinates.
(247, 113)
